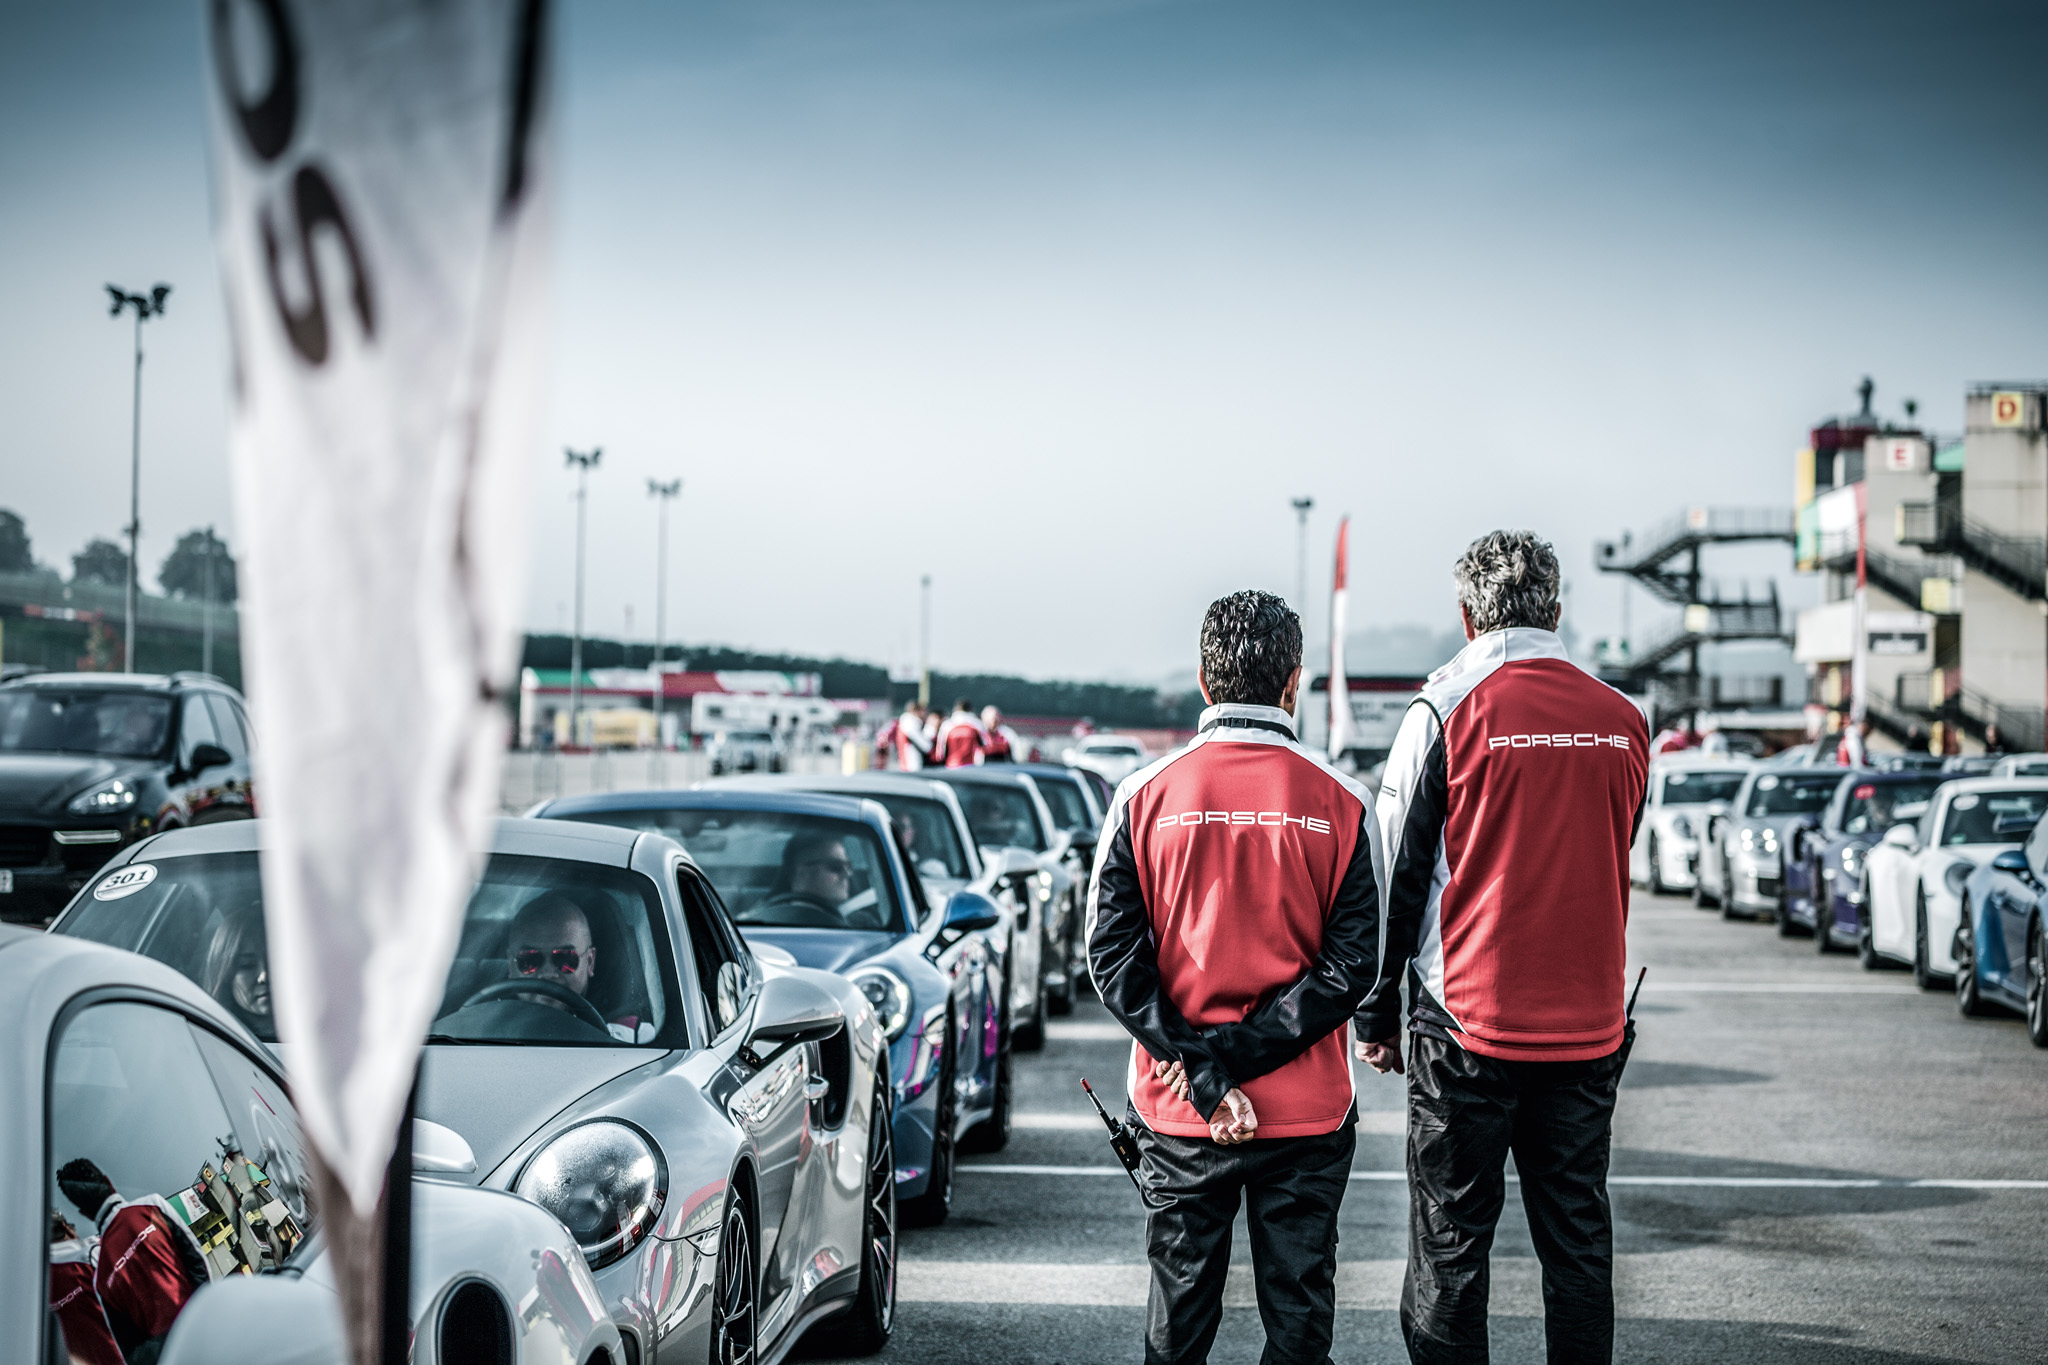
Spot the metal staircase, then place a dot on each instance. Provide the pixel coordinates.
(1666, 561)
(2016, 563)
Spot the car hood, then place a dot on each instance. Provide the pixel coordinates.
(498, 1096)
(41, 783)
(828, 950)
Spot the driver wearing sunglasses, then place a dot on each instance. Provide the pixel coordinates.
(550, 941)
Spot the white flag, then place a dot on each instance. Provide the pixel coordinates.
(1340, 697)
(378, 172)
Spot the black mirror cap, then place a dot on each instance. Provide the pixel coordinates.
(206, 756)
(968, 912)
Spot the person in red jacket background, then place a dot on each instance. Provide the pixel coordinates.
(149, 1264)
(88, 1340)
(1508, 805)
(961, 741)
(1233, 925)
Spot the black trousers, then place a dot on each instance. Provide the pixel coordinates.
(1291, 1189)
(1465, 1114)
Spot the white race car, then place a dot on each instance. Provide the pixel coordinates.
(1684, 791)
(1913, 879)
(1116, 757)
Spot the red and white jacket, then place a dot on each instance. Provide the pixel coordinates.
(1508, 805)
(1234, 924)
(961, 740)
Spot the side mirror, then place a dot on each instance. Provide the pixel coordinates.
(1062, 844)
(1902, 836)
(206, 756)
(438, 1149)
(792, 1010)
(2014, 861)
(968, 912)
(237, 1319)
(1015, 862)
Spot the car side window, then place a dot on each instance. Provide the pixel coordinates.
(229, 726)
(723, 970)
(174, 1160)
(195, 727)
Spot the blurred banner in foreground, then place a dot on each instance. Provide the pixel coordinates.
(381, 226)
(1340, 602)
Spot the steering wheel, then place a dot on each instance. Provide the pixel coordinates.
(823, 914)
(554, 990)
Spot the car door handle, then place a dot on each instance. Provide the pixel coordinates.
(816, 1088)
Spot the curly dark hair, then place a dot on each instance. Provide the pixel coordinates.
(84, 1184)
(1251, 645)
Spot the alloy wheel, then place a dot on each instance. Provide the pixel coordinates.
(881, 1215)
(1969, 1001)
(1923, 973)
(734, 1322)
(2037, 985)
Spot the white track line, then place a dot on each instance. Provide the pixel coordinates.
(1721, 1182)
(1653, 986)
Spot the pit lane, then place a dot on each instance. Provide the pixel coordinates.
(1812, 1163)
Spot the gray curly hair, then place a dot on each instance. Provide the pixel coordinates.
(1508, 578)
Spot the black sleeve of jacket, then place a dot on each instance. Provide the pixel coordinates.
(1316, 1004)
(1415, 841)
(1125, 963)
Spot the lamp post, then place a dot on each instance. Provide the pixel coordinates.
(206, 609)
(1301, 509)
(146, 306)
(663, 494)
(583, 463)
(924, 642)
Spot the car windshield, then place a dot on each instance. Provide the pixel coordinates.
(119, 724)
(1111, 748)
(1973, 817)
(1698, 788)
(929, 833)
(1001, 816)
(1069, 809)
(781, 869)
(747, 737)
(1874, 807)
(1789, 794)
(553, 951)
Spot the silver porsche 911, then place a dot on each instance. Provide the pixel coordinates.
(161, 1205)
(711, 1127)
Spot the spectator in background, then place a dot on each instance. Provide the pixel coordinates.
(1994, 742)
(961, 741)
(913, 746)
(1004, 745)
(1854, 749)
(149, 1263)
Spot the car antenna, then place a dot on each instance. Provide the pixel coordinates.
(1126, 1148)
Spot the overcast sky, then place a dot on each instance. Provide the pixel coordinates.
(1061, 301)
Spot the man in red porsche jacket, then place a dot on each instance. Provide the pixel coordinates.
(1233, 925)
(1508, 805)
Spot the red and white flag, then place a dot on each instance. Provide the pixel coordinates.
(1340, 700)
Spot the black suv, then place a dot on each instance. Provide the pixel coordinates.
(91, 762)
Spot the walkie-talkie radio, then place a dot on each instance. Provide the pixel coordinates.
(1124, 1145)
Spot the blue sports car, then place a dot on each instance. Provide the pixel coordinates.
(824, 879)
(1824, 875)
(1998, 947)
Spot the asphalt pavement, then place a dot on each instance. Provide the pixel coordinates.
(1812, 1163)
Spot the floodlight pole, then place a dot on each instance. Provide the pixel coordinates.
(582, 463)
(206, 610)
(663, 494)
(924, 642)
(146, 306)
(1301, 509)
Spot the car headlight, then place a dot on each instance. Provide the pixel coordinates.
(889, 994)
(1770, 840)
(1954, 875)
(605, 1180)
(1681, 826)
(108, 798)
(1852, 861)
(1043, 881)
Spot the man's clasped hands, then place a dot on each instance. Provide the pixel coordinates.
(1232, 1123)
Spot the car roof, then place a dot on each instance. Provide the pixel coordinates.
(899, 783)
(711, 798)
(1050, 770)
(1958, 786)
(991, 774)
(590, 843)
(107, 682)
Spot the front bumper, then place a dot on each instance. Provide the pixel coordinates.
(1754, 883)
(916, 1124)
(47, 865)
(1678, 862)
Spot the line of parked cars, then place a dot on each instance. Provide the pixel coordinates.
(699, 1051)
(1941, 868)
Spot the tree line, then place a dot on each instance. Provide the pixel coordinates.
(198, 566)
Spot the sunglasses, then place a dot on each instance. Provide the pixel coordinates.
(529, 961)
(837, 866)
